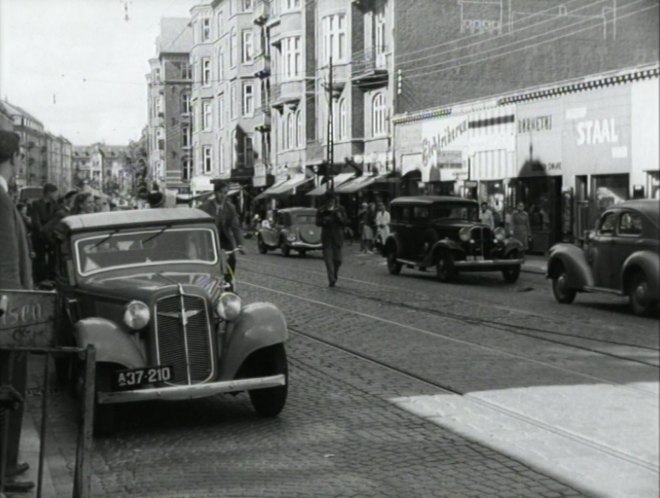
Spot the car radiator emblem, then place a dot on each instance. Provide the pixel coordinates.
(184, 316)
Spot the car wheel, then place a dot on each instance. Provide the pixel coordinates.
(270, 401)
(638, 295)
(286, 250)
(511, 274)
(104, 414)
(261, 245)
(444, 268)
(393, 266)
(562, 292)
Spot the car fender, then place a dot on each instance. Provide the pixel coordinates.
(433, 254)
(512, 245)
(572, 257)
(112, 343)
(649, 263)
(391, 243)
(258, 326)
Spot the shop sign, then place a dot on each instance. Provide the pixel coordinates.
(539, 138)
(443, 142)
(596, 135)
(27, 319)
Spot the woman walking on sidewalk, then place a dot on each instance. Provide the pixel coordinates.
(520, 228)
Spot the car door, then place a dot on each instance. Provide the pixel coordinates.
(402, 227)
(600, 254)
(419, 232)
(627, 240)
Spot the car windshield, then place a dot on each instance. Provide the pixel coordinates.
(455, 211)
(124, 249)
(305, 219)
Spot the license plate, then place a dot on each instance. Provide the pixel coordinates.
(130, 379)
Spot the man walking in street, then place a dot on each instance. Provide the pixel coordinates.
(43, 211)
(15, 273)
(332, 219)
(227, 221)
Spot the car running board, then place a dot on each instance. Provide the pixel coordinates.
(603, 290)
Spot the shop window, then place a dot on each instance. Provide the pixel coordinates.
(630, 224)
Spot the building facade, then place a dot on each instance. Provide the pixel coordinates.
(557, 136)
(170, 124)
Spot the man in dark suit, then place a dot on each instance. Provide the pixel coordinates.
(227, 221)
(332, 219)
(15, 273)
(43, 211)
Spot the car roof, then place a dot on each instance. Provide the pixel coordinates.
(294, 210)
(650, 207)
(132, 218)
(431, 199)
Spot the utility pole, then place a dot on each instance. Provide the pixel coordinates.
(331, 135)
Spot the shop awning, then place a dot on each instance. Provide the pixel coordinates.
(358, 183)
(285, 187)
(339, 179)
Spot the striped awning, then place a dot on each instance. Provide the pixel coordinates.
(283, 188)
(358, 183)
(339, 179)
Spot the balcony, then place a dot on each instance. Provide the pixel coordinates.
(287, 92)
(262, 13)
(370, 68)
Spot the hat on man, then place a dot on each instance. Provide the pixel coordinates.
(8, 144)
(219, 186)
(69, 194)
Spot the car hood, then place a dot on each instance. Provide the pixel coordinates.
(143, 285)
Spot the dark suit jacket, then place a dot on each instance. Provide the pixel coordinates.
(332, 225)
(15, 264)
(42, 213)
(226, 219)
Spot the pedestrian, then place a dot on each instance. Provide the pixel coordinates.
(101, 204)
(156, 200)
(83, 203)
(520, 227)
(228, 223)
(65, 209)
(366, 234)
(486, 216)
(43, 211)
(332, 219)
(15, 273)
(382, 224)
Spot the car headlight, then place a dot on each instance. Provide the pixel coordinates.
(464, 234)
(136, 315)
(228, 306)
(500, 234)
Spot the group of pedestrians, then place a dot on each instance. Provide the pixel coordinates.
(373, 225)
(516, 223)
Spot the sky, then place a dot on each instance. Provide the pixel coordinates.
(79, 66)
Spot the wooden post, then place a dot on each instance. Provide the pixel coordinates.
(82, 477)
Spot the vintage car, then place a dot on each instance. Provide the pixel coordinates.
(620, 257)
(147, 289)
(292, 228)
(445, 233)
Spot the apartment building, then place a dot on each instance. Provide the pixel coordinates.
(33, 166)
(170, 124)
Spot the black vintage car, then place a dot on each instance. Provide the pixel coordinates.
(146, 288)
(445, 233)
(293, 228)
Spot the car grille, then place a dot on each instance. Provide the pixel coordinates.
(483, 238)
(187, 348)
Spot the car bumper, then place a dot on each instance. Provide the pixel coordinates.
(303, 245)
(488, 264)
(174, 393)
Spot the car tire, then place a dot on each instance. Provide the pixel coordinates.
(638, 289)
(444, 268)
(261, 245)
(270, 401)
(104, 423)
(286, 250)
(563, 294)
(393, 266)
(511, 274)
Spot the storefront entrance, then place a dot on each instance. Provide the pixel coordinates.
(542, 199)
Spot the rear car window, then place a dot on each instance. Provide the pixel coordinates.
(630, 224)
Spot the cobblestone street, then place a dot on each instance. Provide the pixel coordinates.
(381, 368)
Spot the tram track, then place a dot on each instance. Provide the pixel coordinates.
(576, 438)
(519, 330)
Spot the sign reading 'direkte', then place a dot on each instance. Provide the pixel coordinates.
(27, 318)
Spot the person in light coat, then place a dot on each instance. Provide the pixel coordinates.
(382, 224)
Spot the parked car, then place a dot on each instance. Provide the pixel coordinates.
(445, 233)
(292, 228)
(620, 257)
(146, 288)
